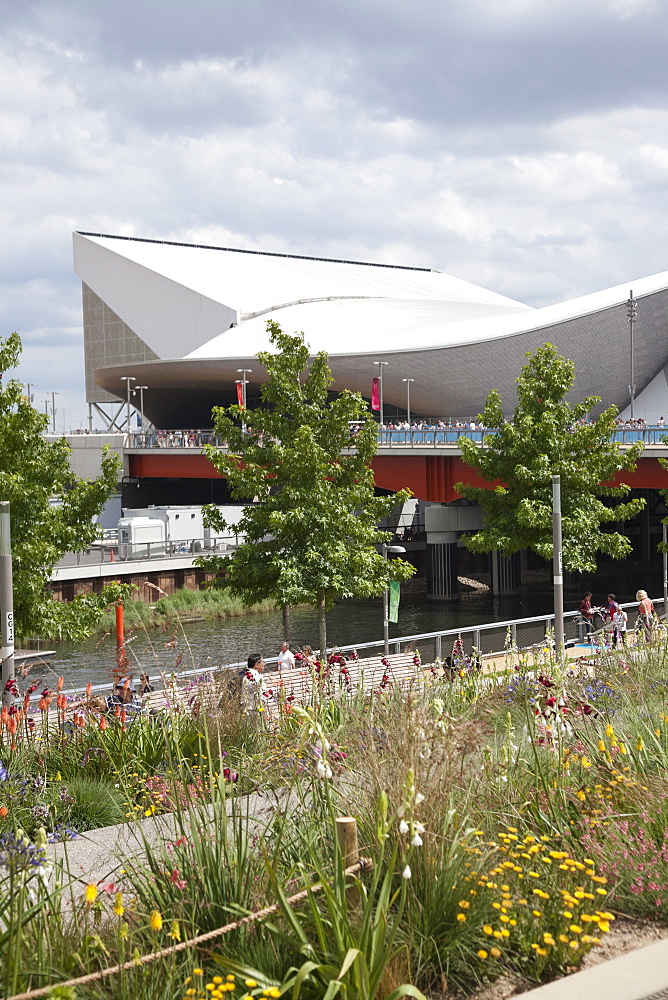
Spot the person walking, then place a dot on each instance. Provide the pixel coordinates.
(286, 658)
(619, 621)
(253, 691)
(586, 612)
(645, 613)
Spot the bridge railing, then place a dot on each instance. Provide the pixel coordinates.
(428, 437)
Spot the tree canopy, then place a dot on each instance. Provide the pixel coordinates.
(310, 537)
(51, 512)
(548, 436)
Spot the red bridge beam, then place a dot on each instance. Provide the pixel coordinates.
(430, 477)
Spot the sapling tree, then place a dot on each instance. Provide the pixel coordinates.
(548, 436)
(52, 512)
(311, 536)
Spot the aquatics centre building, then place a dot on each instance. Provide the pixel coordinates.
(183, 320)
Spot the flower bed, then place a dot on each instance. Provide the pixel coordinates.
(508, 819)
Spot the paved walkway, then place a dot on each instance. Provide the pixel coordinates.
(638, 975)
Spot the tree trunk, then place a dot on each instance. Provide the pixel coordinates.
(286, 622)
(322, 622)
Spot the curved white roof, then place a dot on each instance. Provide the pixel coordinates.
(188, 317)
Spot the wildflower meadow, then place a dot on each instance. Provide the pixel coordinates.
(505, 818)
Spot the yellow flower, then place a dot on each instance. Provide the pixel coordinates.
(175, 933)
(622, 748)
(461, 917)
(91, 892)
(575, 929)
(482, 953)
(486, 929)
(250, 982)
(198, 972)
(217, 980)
(495, 953)
(639, 744)
(464, 903)
(124, 931)
(119, 909)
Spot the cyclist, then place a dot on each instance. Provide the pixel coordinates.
(645, 613)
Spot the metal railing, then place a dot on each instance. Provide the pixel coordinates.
(105, 551)
(488, 639)
(388, 437)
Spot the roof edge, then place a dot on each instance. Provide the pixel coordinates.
(257, 253)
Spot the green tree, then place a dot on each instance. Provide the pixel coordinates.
(35, 475)
(544, 438)
(311, 536)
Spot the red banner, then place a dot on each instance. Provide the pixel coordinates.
(375, 394)
(240, 393)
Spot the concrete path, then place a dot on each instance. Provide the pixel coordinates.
(638, 975)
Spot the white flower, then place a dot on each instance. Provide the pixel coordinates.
(417, 840)
(418, 827)
(403, 826)
(419, 798)
(321, 769)
(406, 873)
(400, 811)
(328, 772)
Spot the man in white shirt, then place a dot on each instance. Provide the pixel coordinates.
(286, 659)
(253, 691)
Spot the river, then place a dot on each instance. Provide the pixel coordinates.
(203, 643)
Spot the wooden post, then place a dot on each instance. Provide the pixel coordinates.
(346, 836)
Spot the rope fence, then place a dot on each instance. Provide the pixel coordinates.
(361, 865)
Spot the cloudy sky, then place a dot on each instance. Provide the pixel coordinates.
(521, 145)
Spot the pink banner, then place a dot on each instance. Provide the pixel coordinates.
(375, 395)
(240, 394)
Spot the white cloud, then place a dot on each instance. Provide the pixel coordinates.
(518, 146)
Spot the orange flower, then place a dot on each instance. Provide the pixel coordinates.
(89, 688)
(3, 811)
(59, 685)
(103, 723)
(61, 702)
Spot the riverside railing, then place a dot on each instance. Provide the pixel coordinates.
(415, 437)
(488, 639)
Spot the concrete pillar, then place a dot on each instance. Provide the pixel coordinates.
(442, 566)
(645, 541)
(443, 523)
(506, 573)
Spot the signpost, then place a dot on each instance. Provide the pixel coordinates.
(6, 604)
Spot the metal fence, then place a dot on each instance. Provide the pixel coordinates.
(388, 437)
(488, 639)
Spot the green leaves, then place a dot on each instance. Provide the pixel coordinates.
(312, 537)
(51, 510)
(548, 436)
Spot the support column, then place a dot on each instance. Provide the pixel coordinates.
(442, 566)
(506, 573)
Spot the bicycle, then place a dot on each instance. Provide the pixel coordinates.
(585, 627)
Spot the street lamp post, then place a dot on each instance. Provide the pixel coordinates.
(140, 389)
(408, 399)
(53, 409)
(632, 314)
(128, 379)
(557, 567)
(244, 382)
(380, 385)
(388, 550)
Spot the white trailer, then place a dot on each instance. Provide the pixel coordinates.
(183, 524)
(214, 539)
(140, 537)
